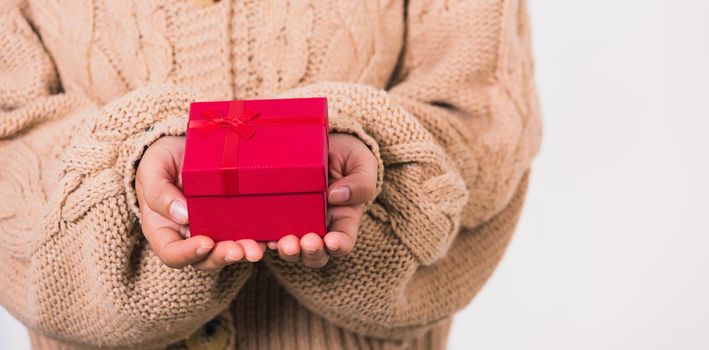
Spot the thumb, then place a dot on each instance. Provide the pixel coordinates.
(357, 186)
(158, 178)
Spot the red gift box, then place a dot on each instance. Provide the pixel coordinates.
(257, 168)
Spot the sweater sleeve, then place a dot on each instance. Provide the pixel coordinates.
(455, 135)
(74, 264)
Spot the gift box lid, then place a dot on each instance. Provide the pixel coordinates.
(256, 147)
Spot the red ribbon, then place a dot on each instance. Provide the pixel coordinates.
(239, 123)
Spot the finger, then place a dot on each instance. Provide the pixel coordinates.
(313, 251)
(253, 251)
(157, 175)
(338, 243)
(342, 232)
(224, 253)
(176, 252)
(289, 248)
(272, 245)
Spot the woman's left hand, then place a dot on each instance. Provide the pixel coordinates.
(353, 175)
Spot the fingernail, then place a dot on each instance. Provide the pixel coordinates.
(332, 245)
(185, 231)
(340, 194)
(231, 256)
(203, 249)
(178, 211)
(309, 250)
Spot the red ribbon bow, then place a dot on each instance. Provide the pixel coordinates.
(237, 120)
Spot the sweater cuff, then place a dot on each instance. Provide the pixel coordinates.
(164, 111)
(114, 141)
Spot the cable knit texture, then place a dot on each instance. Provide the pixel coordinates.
(442, 92)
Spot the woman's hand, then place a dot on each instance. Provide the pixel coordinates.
(164, 214)
(353, 172)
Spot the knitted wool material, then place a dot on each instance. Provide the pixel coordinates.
(442, 92)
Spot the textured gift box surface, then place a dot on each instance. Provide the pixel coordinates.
(257, 168)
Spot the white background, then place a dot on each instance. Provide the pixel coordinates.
(613, 248)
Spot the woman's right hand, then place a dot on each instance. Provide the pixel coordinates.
(164, 218)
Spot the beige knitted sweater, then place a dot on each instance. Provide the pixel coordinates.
(441, 91)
